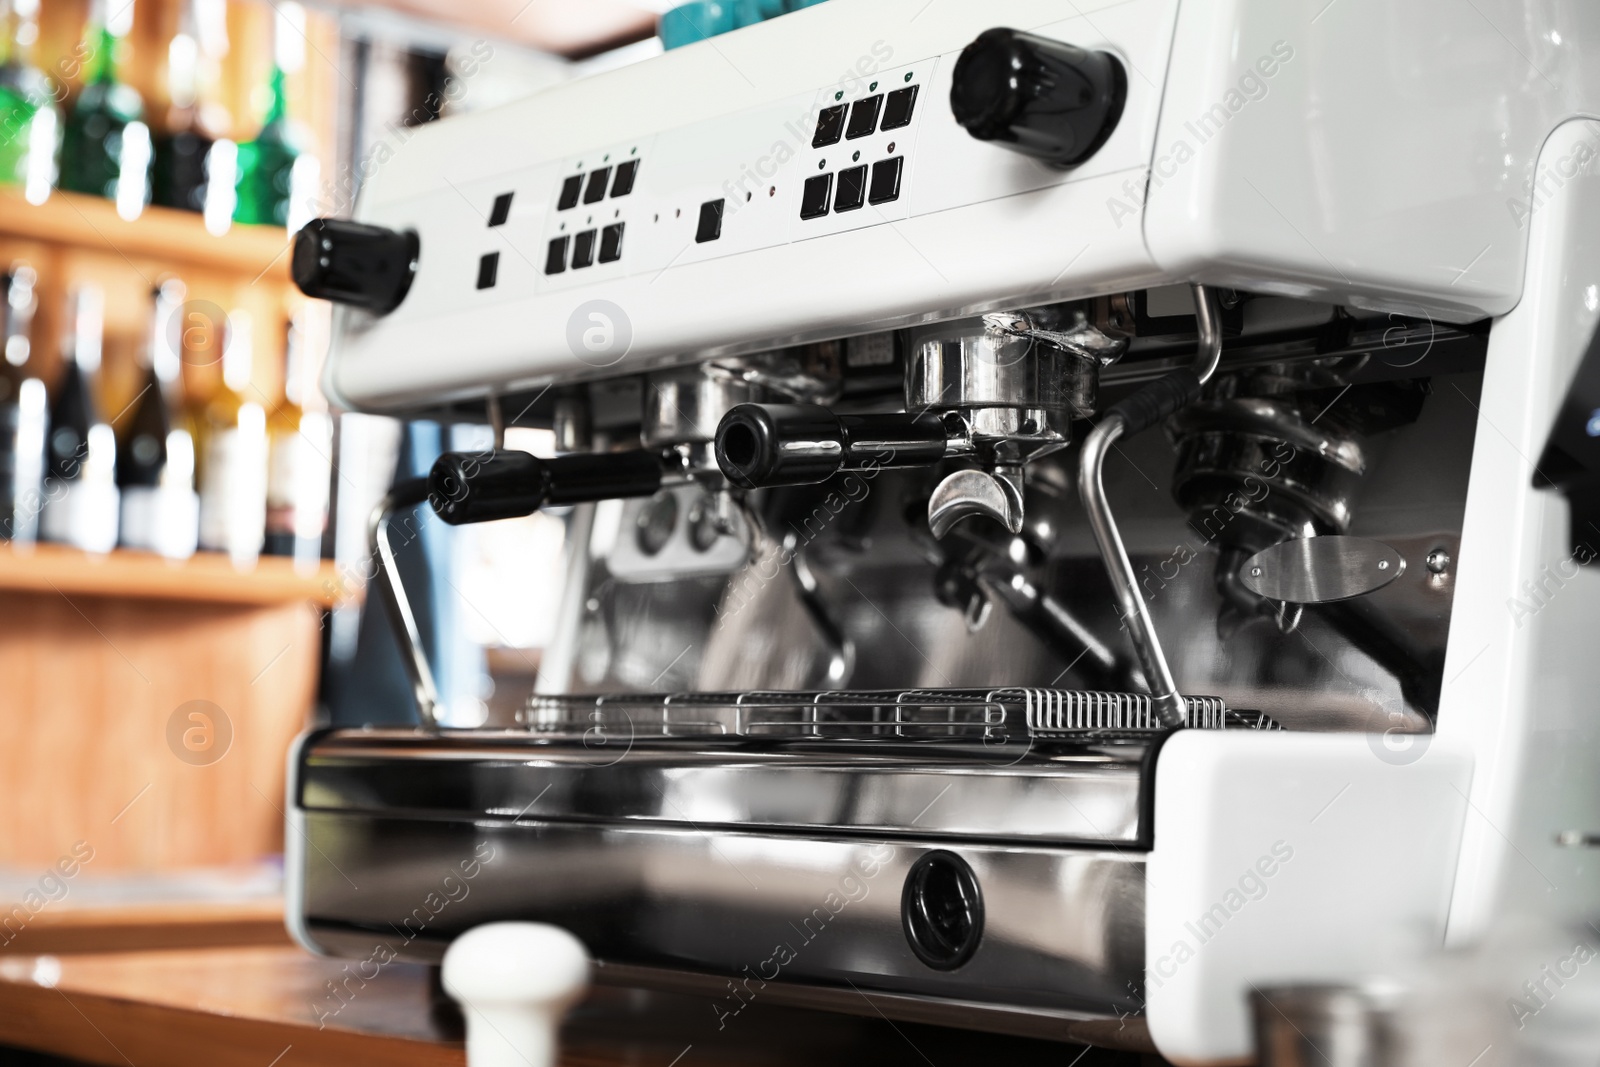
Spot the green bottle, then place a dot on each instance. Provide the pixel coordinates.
(105, 145)
(27, 120)
(266, 164)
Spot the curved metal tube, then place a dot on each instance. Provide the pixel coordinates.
(1167, 701)
(412, 655)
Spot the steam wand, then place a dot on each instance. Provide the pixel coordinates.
(1127, 417)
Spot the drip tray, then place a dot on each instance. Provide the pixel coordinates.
(1033, 765)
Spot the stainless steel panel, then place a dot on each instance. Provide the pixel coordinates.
(1063, 934)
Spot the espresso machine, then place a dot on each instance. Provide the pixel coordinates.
(1053, 542)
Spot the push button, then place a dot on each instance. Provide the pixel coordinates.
(569, 193)
(488, 270)
(852, 189)
(611, 243)
(596, 190)
(710, 227)
(501, 211)
(583, 250)
(830, 126)
(886, 180)
(555, 258)
(814, 198)
(626, 172)
(864, 117)
(898, 108)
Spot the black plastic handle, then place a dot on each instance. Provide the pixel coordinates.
(1157, 400)
(466, 487)
(764, 445)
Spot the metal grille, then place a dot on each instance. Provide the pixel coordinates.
(989, 715)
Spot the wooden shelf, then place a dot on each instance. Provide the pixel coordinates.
(80, 221)
(207, 577)
(145, 927)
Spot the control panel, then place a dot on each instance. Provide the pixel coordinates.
(854, 201)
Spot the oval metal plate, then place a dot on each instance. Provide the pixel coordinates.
(1320, 570)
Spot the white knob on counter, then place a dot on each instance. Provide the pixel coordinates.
(515, 982)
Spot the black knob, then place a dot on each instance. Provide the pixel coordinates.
(468, 487)
(1037, 96)
(763, 445)
(353, 263)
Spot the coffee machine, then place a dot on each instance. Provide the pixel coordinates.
(1052, 533)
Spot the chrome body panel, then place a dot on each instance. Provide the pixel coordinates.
(793, 918)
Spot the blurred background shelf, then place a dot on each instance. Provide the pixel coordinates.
(151, 926)
(206, 577)
(92, 222)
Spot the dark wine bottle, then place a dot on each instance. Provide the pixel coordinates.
(23, 410)
(105, 145)
(267, 164)
(81, 506)
(194, 121)
(155, 460)
(27, 115)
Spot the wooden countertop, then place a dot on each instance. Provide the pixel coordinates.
(273, 1007)
(136, 927)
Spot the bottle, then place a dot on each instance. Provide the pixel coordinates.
(300, 445)
(23, 411)
(233, 468)
(155, 463)
(267, 164)
(194, 121)
(80, 492)
(27, 114)
(105, 145)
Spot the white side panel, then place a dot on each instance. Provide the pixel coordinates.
(1523, 670)
(294, 852)
(1386, 158)
(1288, 857)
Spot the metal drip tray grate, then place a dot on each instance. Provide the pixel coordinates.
(988, 715)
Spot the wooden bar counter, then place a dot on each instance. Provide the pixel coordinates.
(271, 1006)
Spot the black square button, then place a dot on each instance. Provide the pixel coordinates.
(898, 108)
(488, 270)
(583, 249)
(569, 193)
(626, 172)
(864, 117)
(886, 180)
(814, 198)
(555, 258)
(596, 189)
(611, 243)
(710, 227)
(501, 211)
(830, 126)
(852, 189)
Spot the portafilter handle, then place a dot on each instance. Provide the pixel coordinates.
(761, 446)
(466, 487)
(515, 982)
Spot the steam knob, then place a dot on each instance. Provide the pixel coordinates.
(354, 263)
(1038, 96)
(515, 982)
